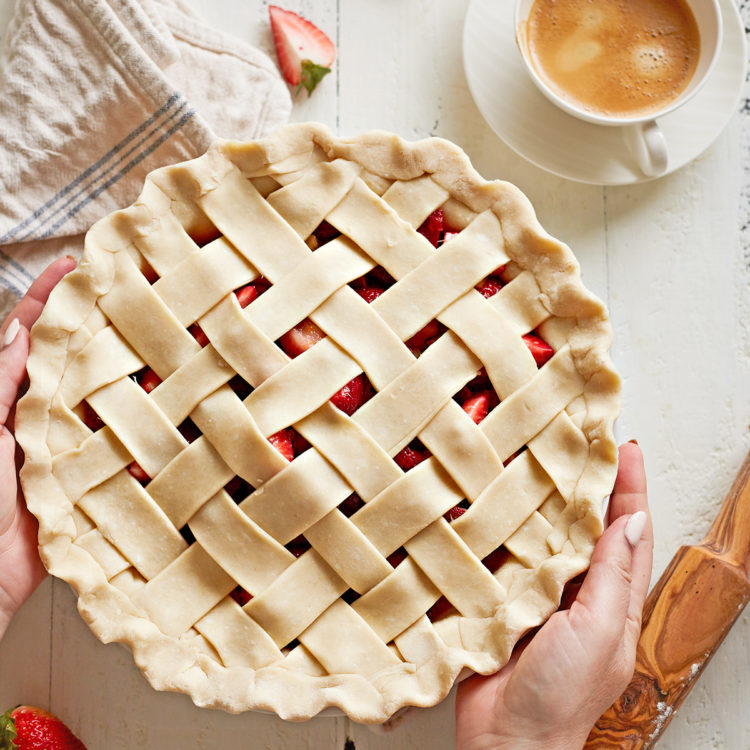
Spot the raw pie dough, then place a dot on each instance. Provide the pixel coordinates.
(297, 646)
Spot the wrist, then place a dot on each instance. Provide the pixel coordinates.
(564, 738)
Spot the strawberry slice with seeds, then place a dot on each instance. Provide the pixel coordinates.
(282, 441)
(432, 227)
(149, 380)
(539, 348)
(300, 338)
(409, 456)
(477, 406)
(369, 293)
(489, 286)
(423, 338)
(455, 512)
(350, 397)
(305, 53)
(246, 294)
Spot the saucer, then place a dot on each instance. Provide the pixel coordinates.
(566, 146)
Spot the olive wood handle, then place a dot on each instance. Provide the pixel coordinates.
(686, 617)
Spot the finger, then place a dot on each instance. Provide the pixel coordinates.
(30, 307)
(629, 493)
(606, 591)
(8, 487)
(12, 371)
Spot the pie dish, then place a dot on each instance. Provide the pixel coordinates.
(319, 422)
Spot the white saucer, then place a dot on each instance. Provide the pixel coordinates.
(566, 146)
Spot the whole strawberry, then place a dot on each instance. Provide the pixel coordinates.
(30, 728)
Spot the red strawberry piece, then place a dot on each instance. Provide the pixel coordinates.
(397, 557)
(499, 271)
(369, 293)
(325, 232)
(477, 406)
(90, 418)
(241, 596)
(189, 430)
(305, 53)
(298, 545)
(149, 380)
(432, 227)
(300, 338)
(539, 348)
(480, 382)
(351, 505)
(31, 728)
(282, 441)
(408, 457)
(136, 470)
(246, 294)
(489, 286)
(197, 333)
(423, 338)
(350, 397)
(455, 512)
(380, 277)
(299, 443)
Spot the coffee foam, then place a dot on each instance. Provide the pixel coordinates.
(614, 57)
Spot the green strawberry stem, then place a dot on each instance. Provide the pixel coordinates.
(7, 732)
(311, 75)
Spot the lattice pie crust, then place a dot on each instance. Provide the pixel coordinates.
(157, 563)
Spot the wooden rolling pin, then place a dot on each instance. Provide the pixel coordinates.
(686, 617)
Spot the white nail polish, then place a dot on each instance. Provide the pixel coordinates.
(11, 332)
(634, 527)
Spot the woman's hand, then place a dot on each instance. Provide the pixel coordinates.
(551, 693)
(21, 569)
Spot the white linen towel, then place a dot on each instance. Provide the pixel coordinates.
(94, 94)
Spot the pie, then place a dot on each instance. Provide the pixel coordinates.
(290, 481)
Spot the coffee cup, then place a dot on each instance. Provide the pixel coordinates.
(621, 63)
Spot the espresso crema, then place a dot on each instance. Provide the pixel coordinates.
(617, 58)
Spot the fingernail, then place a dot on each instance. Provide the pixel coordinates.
(634, 527)
(633, 441)
(11, 332)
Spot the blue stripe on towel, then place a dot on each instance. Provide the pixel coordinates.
(118, 175)
(16, 268)
(169, 104)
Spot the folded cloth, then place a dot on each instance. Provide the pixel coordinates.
(94, 94)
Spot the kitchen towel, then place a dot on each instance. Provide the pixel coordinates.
(94, 94)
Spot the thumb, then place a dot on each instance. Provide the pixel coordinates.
(606, 591)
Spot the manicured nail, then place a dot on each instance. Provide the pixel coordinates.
(11, 332)
(633, 441)
(634, 527)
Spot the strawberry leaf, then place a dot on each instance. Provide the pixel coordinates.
(311, 75)
(7, 732)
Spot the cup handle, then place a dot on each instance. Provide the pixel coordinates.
(649, 146)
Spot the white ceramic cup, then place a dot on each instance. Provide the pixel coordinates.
(642, 133)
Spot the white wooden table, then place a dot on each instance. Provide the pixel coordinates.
(670, 257)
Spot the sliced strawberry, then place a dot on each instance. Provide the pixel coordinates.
(489, 286)
(397, 557)
(90, 418)
(380, 277)
(423, 338)
(408, 457)
(432, 227)
(246, 295)
(136, 470)
(149, 380)
(298, 546)
(455, 512)
(282, 441)
(369, 293)
(299, 443)
(197, 333)
(439, 609)
(350, 397)
(495, 559)
(351, 505)
(539, 348)
(477, 406)
(325, 232)
(305, 53)
(300, 338)
(241, 596)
